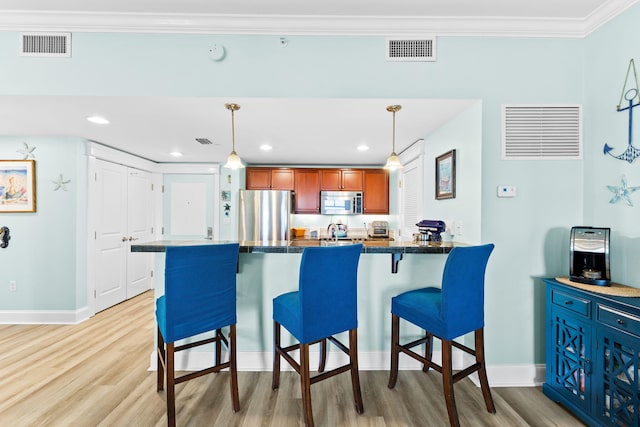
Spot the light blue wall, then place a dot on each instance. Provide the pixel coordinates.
(530, 231)
(46, 255)
(464, 134)
(607, 57)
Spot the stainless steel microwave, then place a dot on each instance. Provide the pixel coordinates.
(340, 202)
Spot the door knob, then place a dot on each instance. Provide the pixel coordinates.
(124, 238)
(132, 238)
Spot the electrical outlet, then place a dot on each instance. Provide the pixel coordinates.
(12, 286)
(458, 228)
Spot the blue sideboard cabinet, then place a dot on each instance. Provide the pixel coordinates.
(593, 354)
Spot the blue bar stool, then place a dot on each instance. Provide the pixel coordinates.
(200, 296)
(447, 313)
(325, 305)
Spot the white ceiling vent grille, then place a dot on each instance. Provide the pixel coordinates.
(542, 132)
(51, 45)
(404, 49)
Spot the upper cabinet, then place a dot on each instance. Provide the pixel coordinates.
(341, 179)
(307, 191)
(269, 178)
(308, 182)
(376, 191)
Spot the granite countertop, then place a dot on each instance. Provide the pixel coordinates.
(380, 246)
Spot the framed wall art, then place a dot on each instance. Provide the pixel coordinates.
(446, 175)
(17, 186)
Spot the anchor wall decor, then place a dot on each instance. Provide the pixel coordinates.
(630, 95)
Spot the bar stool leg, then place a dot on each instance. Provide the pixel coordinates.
(482, 372)
(447, 383)
(305, 385)
(233, 369)
(218, 346)
(395, 336)
(428, 351)
(161, 357)
(323, 355)
(275, 379)
(171, 387)
(355, 376)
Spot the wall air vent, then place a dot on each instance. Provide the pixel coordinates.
(533, 132)
(204, 141)
(51, 45)
(411, 49)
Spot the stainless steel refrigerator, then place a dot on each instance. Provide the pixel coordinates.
(264, 215)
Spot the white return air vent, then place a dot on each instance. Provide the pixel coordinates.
(50, 45)
(541, 132)
(411, 49)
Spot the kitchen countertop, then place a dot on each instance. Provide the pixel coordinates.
(380, 246)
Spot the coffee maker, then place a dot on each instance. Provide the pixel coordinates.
(589, 258)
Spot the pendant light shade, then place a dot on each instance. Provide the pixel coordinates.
(233, 161)
(393, 161)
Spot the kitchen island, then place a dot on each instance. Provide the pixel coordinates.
(268, 269)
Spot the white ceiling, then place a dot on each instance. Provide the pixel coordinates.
(301, 131)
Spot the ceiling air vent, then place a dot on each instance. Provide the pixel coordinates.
(533, 132)
(204, 141)
(51, 45)
(404, 49)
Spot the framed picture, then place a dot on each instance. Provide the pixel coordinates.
(17, 186)
(446, 175)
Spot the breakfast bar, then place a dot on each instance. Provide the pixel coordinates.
(268, 269)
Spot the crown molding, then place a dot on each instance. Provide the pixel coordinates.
(310, 25)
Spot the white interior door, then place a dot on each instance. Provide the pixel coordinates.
(111, 228)
(124, 215)
(139, 228)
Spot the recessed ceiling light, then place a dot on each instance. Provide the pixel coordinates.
(98, 120)
(265, 147)
(176, 153)
(363, 147)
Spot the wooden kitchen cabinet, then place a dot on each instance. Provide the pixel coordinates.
(376, 191)
(270, 178)
(307, 191)
(341, 179)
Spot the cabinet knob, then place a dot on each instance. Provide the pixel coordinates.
(620, 322)
(568, 302)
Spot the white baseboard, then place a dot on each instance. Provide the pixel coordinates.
(57, 317)
(499, 375)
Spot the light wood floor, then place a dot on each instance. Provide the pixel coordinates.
(95, 374)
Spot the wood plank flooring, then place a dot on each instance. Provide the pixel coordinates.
(95, 374)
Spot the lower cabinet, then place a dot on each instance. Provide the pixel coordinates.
(593, 354)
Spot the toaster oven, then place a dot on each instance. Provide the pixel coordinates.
(379, 229)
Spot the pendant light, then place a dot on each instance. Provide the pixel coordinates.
(233, 161)
(393, 161)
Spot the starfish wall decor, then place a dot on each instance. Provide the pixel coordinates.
(622, 192)
(27, 152)
(60, 182)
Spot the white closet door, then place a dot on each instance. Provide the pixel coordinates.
(111, 235)
(139, 228)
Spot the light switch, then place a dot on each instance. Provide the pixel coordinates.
(507, 191)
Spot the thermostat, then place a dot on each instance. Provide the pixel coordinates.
(507, 191)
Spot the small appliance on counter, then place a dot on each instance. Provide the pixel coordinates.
(430, 230)
(379, 229)
(589, 256)
(337, 230)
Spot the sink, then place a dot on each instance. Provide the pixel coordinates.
(336, 243)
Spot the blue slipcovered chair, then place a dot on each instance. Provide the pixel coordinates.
(324, 305)
(447, 313)
(199, 297)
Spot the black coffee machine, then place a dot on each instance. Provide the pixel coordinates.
(589, 258)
